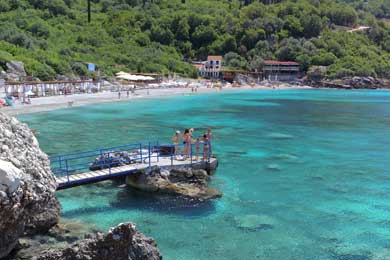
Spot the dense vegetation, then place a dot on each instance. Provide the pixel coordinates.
(53, 37)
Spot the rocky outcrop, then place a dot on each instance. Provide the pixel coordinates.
(363, 82)
(187, 182)
(350, 83)
(15, 70)
(123, 242)
(27, 185)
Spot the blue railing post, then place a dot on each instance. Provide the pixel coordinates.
(209, 152)
(67, 172)
(158, 151)
(101, 160)
(172, 152)
(191, 152)
(59, 158)
(109, 163)
(140, 151)
(149, 154)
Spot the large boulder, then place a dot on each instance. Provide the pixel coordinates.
(185, 182)
(123, 242)
(27, 185)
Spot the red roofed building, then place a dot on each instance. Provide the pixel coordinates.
(281, 70)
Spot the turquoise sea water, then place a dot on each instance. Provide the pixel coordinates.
(305, 173)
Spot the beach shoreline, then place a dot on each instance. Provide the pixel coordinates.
(45, 104)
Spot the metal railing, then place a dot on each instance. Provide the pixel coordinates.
(145, 154)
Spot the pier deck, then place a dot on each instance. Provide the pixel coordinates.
(109, 163)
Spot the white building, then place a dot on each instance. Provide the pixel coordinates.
(210, 68)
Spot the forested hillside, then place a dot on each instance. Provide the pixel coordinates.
(53, 36)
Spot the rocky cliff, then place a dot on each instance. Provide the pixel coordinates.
(123, 242)
(27, 186)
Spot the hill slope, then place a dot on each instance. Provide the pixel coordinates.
(52, 36)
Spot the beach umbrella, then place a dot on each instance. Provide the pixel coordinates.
(126, 76)
(121, 73)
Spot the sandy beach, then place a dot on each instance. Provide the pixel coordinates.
(43, 104)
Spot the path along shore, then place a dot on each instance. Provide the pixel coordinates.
(43, 104)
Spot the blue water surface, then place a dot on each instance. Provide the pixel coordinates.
(305, 173)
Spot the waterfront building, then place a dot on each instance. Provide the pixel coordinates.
(211, 68)
(281, 70)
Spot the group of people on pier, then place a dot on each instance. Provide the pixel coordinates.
(188, 141)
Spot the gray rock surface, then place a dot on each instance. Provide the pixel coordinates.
(184, 182)
(123, 242)
(27, 185)
(15, 70)
(363, 82)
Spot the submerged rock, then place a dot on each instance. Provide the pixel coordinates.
(255, 222)
(27, 185)
(123, 242)
(59, 237)
(185, 182)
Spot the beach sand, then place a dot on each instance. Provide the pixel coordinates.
(43, 104)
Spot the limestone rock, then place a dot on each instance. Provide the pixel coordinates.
(15, 70)
(9, 177)
(183, 182)
(255, 222)
(27, 184)
(363, 82)
(123, 242)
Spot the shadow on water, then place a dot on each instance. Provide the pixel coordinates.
(129, 198)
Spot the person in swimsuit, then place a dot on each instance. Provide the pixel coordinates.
(191, 141)
(176, 140)
(186, 143)
(209, 137)
(206, 147)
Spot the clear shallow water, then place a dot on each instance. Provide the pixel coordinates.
(305, 174)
